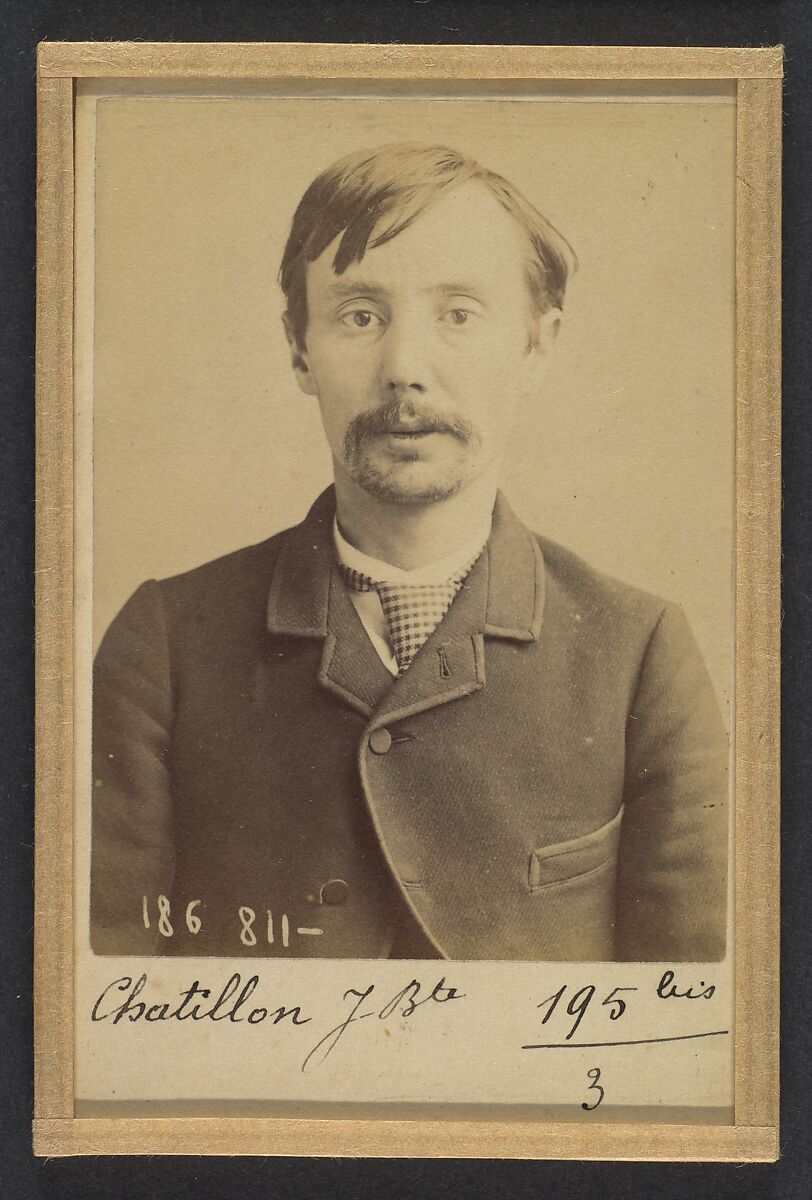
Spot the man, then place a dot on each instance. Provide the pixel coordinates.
(408, 727)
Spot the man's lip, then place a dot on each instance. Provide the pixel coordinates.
(410, 432)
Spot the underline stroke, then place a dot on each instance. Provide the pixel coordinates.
(682, 1037)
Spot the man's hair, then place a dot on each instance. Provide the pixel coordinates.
(390, 186)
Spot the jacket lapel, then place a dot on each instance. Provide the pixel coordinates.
(308, 599)
(503, 597)
(350, 665)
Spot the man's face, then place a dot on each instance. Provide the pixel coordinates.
(420, 352)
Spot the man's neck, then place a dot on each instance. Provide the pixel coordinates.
(412, 535)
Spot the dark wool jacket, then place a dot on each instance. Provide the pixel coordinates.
(546, 781)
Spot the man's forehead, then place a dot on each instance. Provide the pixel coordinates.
(465, 235)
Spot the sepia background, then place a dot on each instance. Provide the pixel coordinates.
(202, 440)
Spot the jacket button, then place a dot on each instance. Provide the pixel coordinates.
(379, 741)
(335, 891)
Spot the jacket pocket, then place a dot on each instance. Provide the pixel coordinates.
(567, 861)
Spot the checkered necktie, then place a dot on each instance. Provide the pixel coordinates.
(412, 610)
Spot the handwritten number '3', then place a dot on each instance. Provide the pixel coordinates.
(594, 1074)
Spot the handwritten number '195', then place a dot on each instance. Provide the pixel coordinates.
(579, 1002)
(594, 1074)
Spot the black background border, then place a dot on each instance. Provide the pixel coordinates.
(557, 22)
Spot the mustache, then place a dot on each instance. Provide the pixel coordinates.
(390, 418)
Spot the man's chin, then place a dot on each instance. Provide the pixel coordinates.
(393, 486)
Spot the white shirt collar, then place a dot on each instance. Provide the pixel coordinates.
(439, 571)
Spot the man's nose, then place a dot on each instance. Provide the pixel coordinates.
(404, 357)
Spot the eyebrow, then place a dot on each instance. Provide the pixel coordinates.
(349, 288)
(458, 289)
(340, 291)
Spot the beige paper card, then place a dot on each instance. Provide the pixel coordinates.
(408, 556)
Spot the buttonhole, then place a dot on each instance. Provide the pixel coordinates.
(445, 668)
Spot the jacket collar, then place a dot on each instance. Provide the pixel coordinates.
(503, 597)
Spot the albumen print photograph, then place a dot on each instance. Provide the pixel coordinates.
(411, 432)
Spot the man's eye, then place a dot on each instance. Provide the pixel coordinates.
(458, 316)
(361, 318)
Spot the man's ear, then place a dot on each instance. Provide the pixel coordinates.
(298, 360)
(544, 332)
(548, 326)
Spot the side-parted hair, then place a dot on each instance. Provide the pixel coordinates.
(387, 188)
